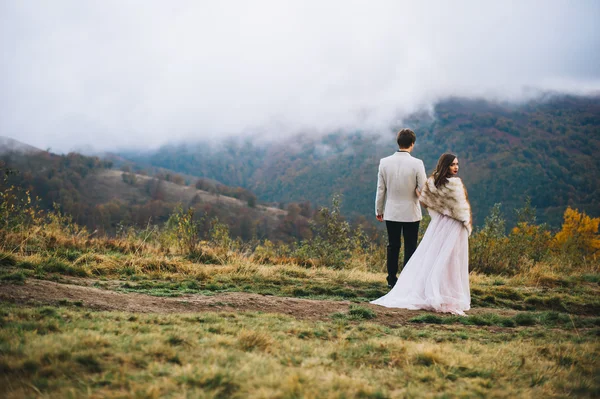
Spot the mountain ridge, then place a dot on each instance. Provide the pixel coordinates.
(106, 200)
(543, 150)
(8, 144)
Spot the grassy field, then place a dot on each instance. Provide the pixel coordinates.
(68, 351)
(527, 336)
(157, 313)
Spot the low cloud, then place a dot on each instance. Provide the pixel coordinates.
(118, 73)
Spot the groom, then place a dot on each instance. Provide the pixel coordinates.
(400, 180)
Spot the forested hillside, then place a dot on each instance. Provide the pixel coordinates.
(109, 201)
(546, 150)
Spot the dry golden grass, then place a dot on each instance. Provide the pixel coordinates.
(152, 268)
(57, 352)
(547, 349)
(65, 351)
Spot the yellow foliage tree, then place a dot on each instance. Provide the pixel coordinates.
(527, 230)
(579, 233)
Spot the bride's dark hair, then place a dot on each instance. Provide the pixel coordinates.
(442, 170)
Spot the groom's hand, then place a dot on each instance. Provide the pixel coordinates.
(380, 218)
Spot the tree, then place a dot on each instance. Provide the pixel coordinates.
(129, 178)
(579, 235)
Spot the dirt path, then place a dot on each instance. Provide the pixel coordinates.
(48, 292)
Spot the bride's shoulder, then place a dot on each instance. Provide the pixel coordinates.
(455, 181)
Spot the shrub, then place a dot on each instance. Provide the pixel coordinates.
(488, 247)
(220, 238)
(16, 207)
(129, 178)
(493, 252)
(578, 238)
(331, 243)
(265, 253)
(528, 240)
(184, 229)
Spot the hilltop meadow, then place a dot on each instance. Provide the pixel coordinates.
(164, 311)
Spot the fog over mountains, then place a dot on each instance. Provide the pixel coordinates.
(542, 150)
(546, 151)
(127, 74)
(298, 100)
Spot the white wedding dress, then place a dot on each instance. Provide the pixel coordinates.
(437, 275)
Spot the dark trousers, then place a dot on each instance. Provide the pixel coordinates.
(410, 231)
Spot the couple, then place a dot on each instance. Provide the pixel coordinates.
(436, 274)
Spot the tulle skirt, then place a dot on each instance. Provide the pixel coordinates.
(437, 275)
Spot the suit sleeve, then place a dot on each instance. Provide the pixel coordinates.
(421, 176)
(381, 192)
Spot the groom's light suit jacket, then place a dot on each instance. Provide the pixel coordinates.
(399, 175)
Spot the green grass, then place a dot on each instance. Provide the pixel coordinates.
(547, 348)
(546, 319)
(60, 266)
(576, 298)
(591, 278)
(16, 277)
(361, 313)
(174, 276)
(537, 335)
(68, 254)
(579, 297)
(584, 302)
(431, 319)
(355, 313)
(66, 302)
(66, 351)
(282, 286)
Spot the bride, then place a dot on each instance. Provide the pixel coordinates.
(437, 275)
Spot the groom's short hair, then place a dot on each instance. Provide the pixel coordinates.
(406, 138)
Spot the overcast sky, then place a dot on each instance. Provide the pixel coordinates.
(105, 74)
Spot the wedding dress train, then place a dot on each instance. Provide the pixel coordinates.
(437, 275)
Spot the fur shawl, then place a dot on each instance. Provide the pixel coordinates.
(451, 200)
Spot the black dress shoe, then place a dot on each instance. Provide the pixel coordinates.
(391, 285)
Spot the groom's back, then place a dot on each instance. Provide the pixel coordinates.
(399, 175)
